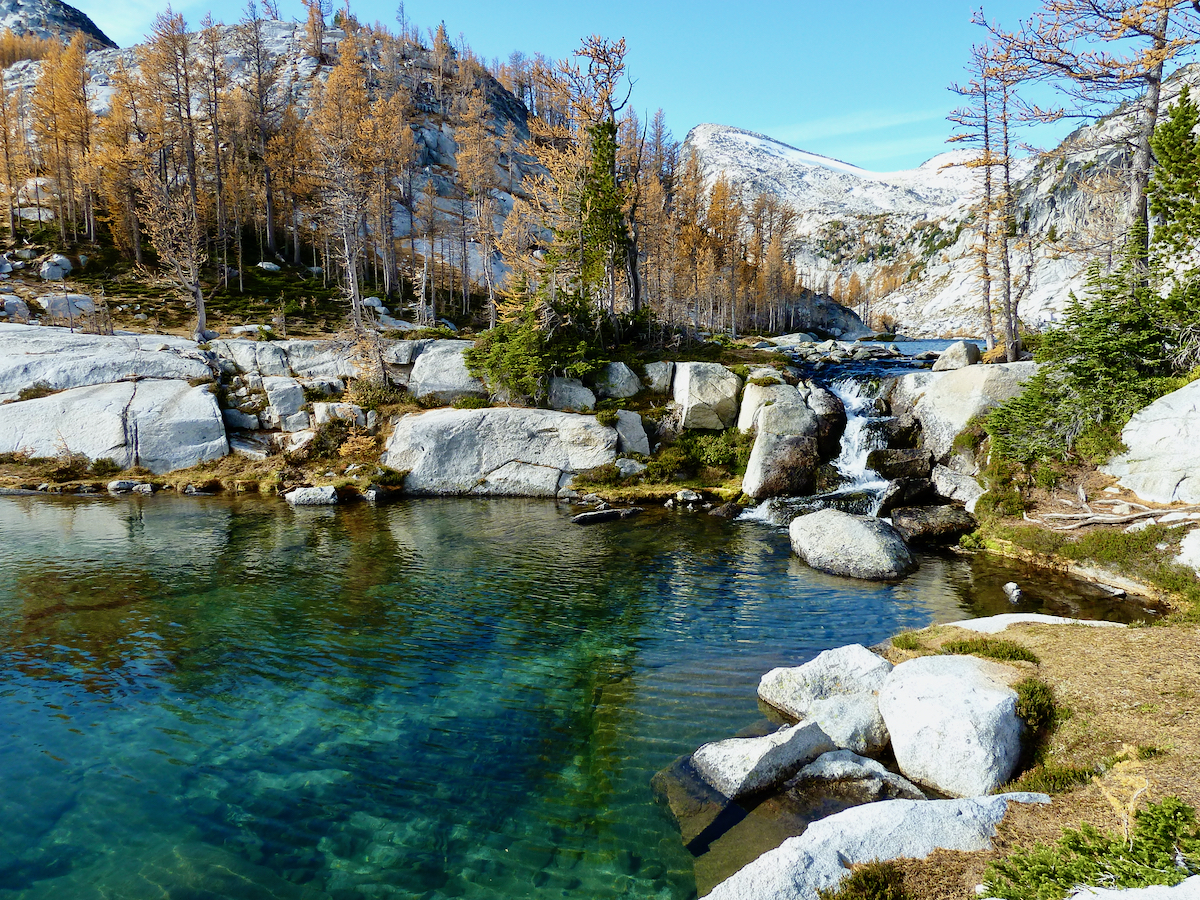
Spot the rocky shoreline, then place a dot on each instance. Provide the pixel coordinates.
(888, 736)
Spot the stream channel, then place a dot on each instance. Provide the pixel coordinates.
(228, 698)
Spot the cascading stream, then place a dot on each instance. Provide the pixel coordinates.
(862, 435)
(862, 488)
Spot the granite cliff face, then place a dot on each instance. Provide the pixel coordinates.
(910, 237)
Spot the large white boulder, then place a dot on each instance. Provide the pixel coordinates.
(818, 860)
(855, 546)
(440, 373)
(1162, 464)
(837, 690)
(658, 377)
(67, 306)
(617, 380)
(957, 486)
(502, 451)
(631, 433)
(160, 425)
(756, 396)
(252, 357)
(953, 722)
(32, 354)
(55, 268)
(945, 402)
(740, 766)
(786, 452)
(958, 356)
(324, 413)
(707, 393)
(570, 394)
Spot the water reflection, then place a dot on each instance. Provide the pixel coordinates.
(438, 699)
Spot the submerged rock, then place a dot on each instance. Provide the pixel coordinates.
(855, 546)
(312, 496)
(933, 524)
(953, 722)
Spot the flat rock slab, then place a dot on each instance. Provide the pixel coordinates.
(740, 766)
(501, 451)
(33, 354)
(996, 624)
(159, 425)
(595, 517)
(953, 723)
(854, 546)
(818, 860)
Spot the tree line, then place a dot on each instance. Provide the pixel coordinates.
(204, 167)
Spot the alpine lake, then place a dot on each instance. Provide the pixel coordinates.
(228, 698)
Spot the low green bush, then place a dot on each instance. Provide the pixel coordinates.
(607, 417)
(35, 391)
(1163, 849)
(1035, 703)
(1052, 778)
(104, 467)
(906, 640)
(471, 403)
(873, 881)
(372, 393)
(992, 648)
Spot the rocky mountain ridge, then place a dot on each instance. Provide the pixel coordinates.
(50, 18)
(910, 237)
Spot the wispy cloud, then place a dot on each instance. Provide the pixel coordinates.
(858, 122)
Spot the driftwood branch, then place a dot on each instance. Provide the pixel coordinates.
(1083, 520)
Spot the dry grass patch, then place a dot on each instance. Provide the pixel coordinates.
(1131, 695)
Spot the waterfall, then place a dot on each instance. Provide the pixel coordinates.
(862, 488)
(862, 435)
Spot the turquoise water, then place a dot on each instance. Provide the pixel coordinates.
(203, 698)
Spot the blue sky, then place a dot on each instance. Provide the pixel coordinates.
(863, 82)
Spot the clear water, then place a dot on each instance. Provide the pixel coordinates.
(203, 698)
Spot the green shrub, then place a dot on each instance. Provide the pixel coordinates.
(607, 417)
(372, 393)
(390, 477)
(104, 467)
(35, 391)
(471, 403)
(607, 475)
(1163, 849)
(972, 541)
(741, 371)
(69, 466)
(992, 648)
(763, 381)
(1035, 703)
(1052, 778)
(906, 640)
(328, 439)
(873, 881)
